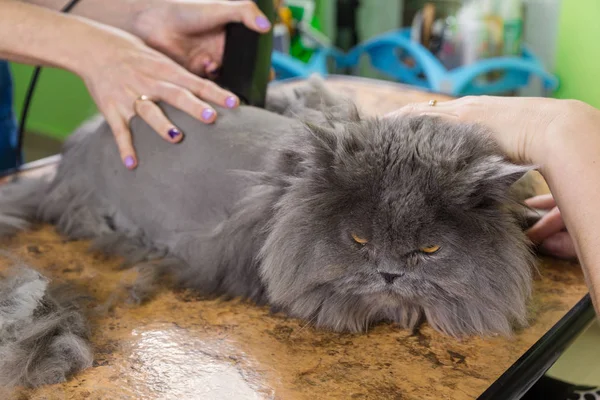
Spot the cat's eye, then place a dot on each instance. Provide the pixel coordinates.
(429, 249)
(359, 239)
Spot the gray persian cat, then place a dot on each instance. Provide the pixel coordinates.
(340, 220)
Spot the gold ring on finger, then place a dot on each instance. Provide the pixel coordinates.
(432, 102)
(142, 97)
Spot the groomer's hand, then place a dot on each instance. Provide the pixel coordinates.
(550, 232)
(118, 69)
(525, 128)
(193, 32)
(519, 123)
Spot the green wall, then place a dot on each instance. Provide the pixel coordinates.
(578, 51)
(61, 101)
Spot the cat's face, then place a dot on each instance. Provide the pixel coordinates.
(379, 216)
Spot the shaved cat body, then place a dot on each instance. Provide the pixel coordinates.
(204, 163)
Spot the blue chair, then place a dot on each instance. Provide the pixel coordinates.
(287, 67)
(385, 53)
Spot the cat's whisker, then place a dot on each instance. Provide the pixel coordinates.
(308, 323)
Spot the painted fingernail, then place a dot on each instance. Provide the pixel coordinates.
(231, 102)
(174, 132)
(129, 162)
(207, 114)
(212, 67)
(263, 23)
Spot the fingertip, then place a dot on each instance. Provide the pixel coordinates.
(559, 245)
(232, 102)
(211, 67)
(124, 143)
(549, 224)
(175, 135)
(204, 64)
(252, 17)
(130, 162)
(262, 23)
(209, 115)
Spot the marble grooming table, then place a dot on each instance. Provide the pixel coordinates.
(182, 347)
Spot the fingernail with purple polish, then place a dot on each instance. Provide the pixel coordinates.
(129, 162)
(212, 67)
(263, 23)
(231, 102)
(207, 114)
(174, 132)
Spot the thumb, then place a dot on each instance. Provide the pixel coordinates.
(219, 13)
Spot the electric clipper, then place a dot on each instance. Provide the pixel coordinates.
(247, 59)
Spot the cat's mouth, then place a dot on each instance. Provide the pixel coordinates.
(380, 283)
(387, 294)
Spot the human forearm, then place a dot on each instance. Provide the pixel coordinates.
(571, 166)
(34, 35)
(118, 13)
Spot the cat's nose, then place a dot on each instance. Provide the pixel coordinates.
(389, 278)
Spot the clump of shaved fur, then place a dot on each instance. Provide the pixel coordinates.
(43, 334)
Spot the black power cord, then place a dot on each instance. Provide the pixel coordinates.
(29, 95)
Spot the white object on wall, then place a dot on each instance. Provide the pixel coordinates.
(540, 34)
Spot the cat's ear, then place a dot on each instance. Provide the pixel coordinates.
(307, 151)
(504, 174)
(491, 180)
(323, 143)
(324, 137)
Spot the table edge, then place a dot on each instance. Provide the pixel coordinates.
(41, 163)
(534, 363)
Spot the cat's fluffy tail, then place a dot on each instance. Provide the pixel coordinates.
(308, 97)
(43, 335)
(19, 203)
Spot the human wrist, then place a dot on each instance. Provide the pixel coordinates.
(120, 14)
(574, 127)
(571, 168)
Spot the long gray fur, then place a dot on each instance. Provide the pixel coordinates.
(44, 337)
(263, 203)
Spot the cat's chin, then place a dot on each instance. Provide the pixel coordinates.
(374, 309)
(352, 312)
(388, 294)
